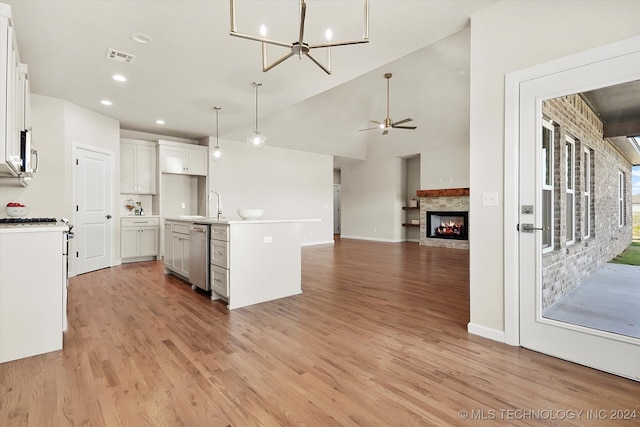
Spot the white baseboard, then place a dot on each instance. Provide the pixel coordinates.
(328, 242)
(372, 239)
(483, 331)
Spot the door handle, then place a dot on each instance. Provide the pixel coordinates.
(108, 216)
(529, 228)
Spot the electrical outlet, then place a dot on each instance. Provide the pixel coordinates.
(184, 205)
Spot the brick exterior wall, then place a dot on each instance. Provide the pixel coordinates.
(567, 264)
(442, 203)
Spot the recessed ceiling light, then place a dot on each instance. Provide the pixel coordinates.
(119, 78)
(106, 102)
(160, 121)
(141, 38)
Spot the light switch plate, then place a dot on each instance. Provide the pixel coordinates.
(490, 199)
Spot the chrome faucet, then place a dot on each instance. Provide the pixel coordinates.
(218, 203)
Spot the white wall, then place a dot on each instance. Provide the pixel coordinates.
(432, 88)
(58, 124)
(285, 183)
(47, 194)
(372, 199)
(507, 37)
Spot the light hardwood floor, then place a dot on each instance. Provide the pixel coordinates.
(378, 338)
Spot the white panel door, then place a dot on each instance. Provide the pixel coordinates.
(93, 228)
(605, 351)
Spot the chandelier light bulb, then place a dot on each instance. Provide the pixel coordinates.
(263, 30)
(329, 34)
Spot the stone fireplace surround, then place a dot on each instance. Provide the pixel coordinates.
(448, 199)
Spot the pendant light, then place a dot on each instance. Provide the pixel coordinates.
(216, 153)
(256, 140)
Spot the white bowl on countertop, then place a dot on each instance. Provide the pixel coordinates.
(16, 211)
(247, 213)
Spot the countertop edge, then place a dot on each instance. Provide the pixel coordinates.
(32, 228)
(225, 221)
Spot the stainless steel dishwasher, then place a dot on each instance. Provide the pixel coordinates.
(199, 256)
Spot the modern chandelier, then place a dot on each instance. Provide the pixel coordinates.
(216, 154)
(256, 140)
(299, 47)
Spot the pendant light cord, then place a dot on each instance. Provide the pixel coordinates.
(257, 85)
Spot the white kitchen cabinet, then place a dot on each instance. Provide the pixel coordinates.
(137, 167)
(219, 259)
(177, 248)
(32, 290)
(185, 159)
(138, 239)
(168, 244)
(14, 90)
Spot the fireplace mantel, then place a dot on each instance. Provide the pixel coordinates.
(444, 192)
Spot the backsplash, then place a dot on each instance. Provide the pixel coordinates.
(145, 201)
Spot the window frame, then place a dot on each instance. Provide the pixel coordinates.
(621, 181)
(586, 220)
(570, 189)
(547, 172)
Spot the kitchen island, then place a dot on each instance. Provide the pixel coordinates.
(249, 261)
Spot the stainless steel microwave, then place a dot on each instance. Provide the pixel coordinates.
(28, 155)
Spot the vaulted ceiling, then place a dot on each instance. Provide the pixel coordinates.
(193, 64)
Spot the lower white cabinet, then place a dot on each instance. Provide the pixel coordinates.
(219, 258)
(32, 290)
(176, 251)
(138, 238)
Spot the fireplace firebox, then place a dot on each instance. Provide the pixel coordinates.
(447, 225)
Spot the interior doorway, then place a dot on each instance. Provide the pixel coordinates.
(93, 206)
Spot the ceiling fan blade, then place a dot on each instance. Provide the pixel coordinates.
(403, 121)
(373, 121)
(377, 127)
(404, 127)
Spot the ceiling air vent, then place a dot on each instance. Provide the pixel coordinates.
(116, 55)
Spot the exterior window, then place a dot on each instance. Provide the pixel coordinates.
(587, 194)
(620, 199)
(547, 186)
(569, 148)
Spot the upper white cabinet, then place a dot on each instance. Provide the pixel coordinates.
(186, 159)
(14, 97)
(137, 167)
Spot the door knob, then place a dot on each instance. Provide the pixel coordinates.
(108, 216)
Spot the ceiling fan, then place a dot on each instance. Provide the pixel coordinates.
(388, 123)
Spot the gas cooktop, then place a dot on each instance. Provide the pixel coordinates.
(26, 220)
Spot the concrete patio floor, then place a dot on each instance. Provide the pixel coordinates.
(608, 300)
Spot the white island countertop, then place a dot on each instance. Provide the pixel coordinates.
(237, 220)
(33, 227)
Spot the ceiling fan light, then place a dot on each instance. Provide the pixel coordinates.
(256, 140)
